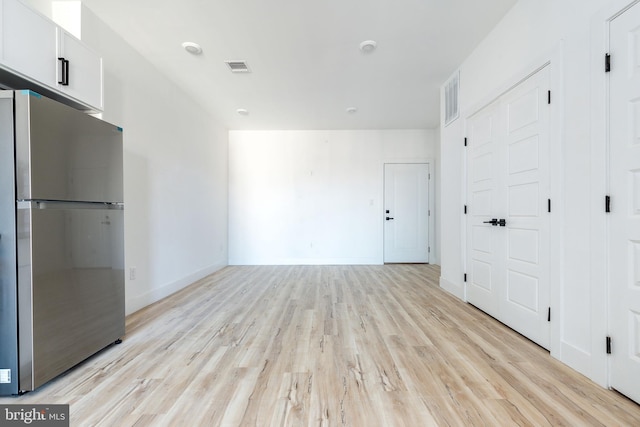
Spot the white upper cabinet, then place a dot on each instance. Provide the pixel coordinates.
(29, 42)
(79, 70)
(37, 54)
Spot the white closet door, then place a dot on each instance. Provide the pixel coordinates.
(524, 300)
(624, 220)
(508, 180)
(485, 248)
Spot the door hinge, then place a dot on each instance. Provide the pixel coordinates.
(608, 345)
(429, 176)
(607, 204)
(607, 63)
(465, 142)
(548, 97)
(549, 205)
(429, 249)
(549, 315)
(429, 212)
(465, 277)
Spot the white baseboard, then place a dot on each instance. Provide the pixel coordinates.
(310, 261)
(452, 288)
(138, 302)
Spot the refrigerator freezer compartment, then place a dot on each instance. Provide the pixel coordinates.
(65, 154)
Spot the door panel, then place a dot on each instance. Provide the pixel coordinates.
(524, 200)
(524, 305)
(522, 290)
(406, 226)
(624, 220)
(484, 278)
(524, 245)
(524, 155)
(508, 156)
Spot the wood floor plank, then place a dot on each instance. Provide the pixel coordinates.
(326, 346)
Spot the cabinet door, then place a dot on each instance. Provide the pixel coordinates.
(2, 24)
(29, 41)
(83, 71)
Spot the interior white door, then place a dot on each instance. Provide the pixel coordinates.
(485, 249)
(624, 219)
(524, 301)
(508, 219)
(406, 217)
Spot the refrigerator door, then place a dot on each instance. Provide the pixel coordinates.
(71, 292)
(8, 279)
(65, 154)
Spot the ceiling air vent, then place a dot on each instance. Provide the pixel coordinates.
(238, 66)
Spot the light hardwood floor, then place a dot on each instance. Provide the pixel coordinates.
(326, 346)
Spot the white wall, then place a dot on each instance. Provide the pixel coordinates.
(314, 197)
(42, 6)
(533, 32)
(176, 181)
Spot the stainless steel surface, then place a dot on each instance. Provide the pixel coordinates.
(64, 154)
(8, 275)
(61, 238)
(73, 258)
(53, 204)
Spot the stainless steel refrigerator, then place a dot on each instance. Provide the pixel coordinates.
(61, 238)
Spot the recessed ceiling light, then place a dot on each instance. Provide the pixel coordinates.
(368, 46)
(242, 112)
(351, 110)
(193, 48)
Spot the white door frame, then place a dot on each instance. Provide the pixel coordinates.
(433, 259)
(553, 60)
(599, 367)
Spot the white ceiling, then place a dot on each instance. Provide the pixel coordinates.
(305, 57)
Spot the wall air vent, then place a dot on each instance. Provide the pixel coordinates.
(238, 66)
(451, 95)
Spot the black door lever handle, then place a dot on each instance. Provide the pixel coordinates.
(493, 222)
(389, 218)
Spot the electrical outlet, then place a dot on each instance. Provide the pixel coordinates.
(132, 273)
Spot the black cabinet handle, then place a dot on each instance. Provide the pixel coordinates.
(64, 72)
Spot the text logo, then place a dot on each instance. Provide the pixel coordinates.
(34, 415)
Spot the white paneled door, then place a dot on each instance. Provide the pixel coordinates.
(624, 219)
(486, 241)
(508, 218)
(406, 215)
